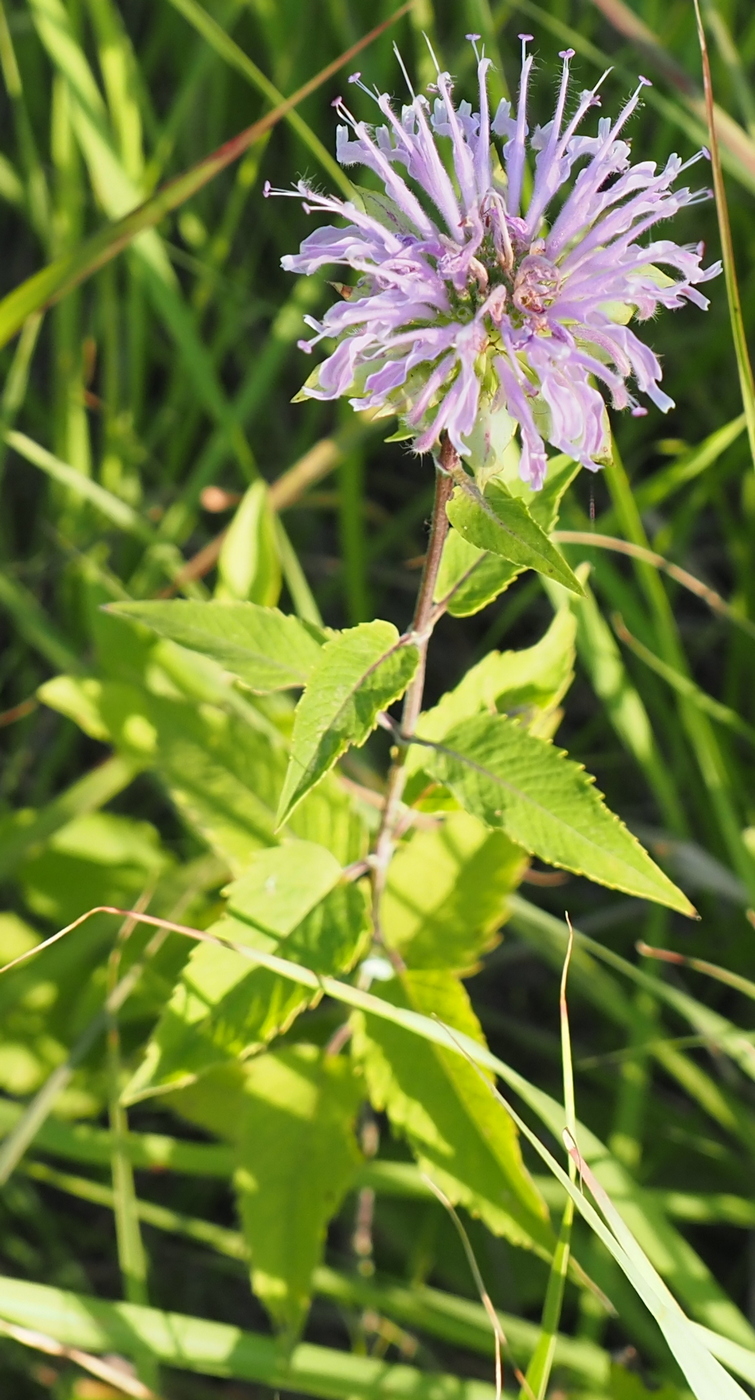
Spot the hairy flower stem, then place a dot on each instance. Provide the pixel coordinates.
(423, 623)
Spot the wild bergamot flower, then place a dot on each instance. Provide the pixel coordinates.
(475, 305)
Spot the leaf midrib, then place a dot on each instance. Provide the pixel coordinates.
(236, 649)
(501, 782)
(474, 495)
(401, 642)
(202, 637)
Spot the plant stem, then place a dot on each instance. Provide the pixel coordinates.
(422, 628)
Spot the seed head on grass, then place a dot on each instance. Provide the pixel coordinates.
(476, 312)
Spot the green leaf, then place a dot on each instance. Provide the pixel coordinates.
(16, 938)
(527, 684)
(98, 858)
(470, 578)
(222, 775)
(25, 830)
(223, 1006)
(283, 885)
(358, 674)
(460, 1136)
(297, 1157)
(249, 565)
(446, 893)
(502, 524)
(265, 649)
(546, 804)
(289, 1116)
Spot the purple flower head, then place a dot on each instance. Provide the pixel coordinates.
(473, 300)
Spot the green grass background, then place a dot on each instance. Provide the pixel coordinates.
(157, 378)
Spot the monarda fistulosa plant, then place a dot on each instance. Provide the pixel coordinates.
(489, 308)
(478, 313)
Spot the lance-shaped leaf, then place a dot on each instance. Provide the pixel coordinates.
(446, 893)
(358, 674)
(527, 684)
(283, 885)
(547, 804)
(223, 1006)
(296, 1159)
(263, 647)
(441, 1103)
(501, 523)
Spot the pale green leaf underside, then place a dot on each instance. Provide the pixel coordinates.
(359, 673)
(535, 678)
(223, 1006)
(264, 648)
(446, 893)
(470, 578)
(282, 885)
(296, 1159)
(441, 1103)
(248, 565)
(501, 523)
(546, 804)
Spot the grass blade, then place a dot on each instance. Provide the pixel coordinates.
(541, 1364)
(217, 1349)
(35, 627)
(54, 281)
(687, 1271)
(730, 133)
(113, 1376)
(35, 1114)
(744, 366)
(118, 512)
(37, 190)
(441, 1314)
(683, 685)
(720, 974)
(229, 50)
(593, 540)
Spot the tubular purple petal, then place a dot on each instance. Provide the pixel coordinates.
(516, 150)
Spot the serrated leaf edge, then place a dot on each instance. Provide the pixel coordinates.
(589, 782)
(404, 641)
(129, 611)
(568, 578)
